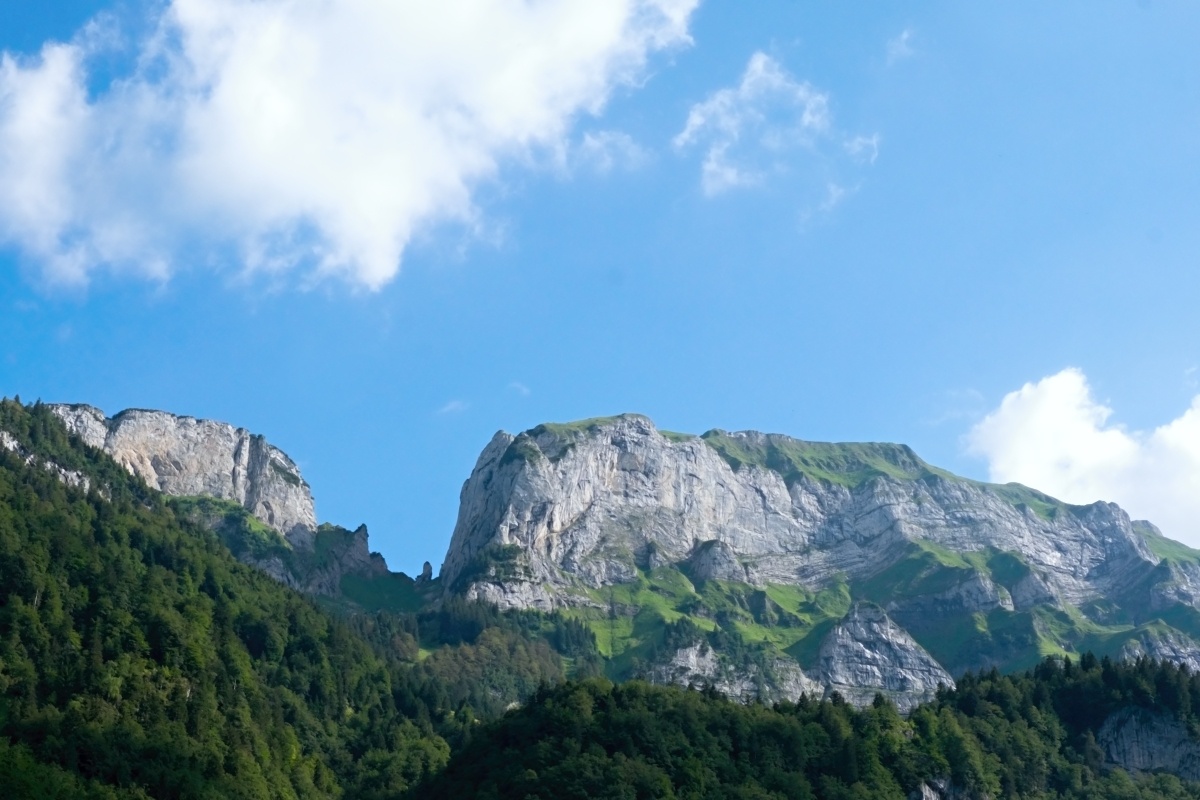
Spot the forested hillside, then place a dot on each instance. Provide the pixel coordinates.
(1027, 736)
(137, 656)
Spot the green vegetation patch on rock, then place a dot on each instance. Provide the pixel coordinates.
(247, 537)
(845, 464)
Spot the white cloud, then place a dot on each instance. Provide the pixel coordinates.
(900, 47)
(763, 127)
(454, 407)
(1054, 436)
(604, 151)
(299, 132)
(520, 388)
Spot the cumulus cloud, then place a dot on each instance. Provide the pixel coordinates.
(298, 132)
(756, 129)
(1055, 436)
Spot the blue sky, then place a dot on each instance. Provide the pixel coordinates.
(971, 228)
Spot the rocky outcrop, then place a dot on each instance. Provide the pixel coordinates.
(699, 665)
(184, 456)
(866, 653)
(977, 593)
(343, 553)
(1032, 590)
(1166, 645)
(863, 655)
(1177, 583)
(590, 504)
(72, 478)
(1138, 740)
(319, 570)
(716, 560)
(944, 789)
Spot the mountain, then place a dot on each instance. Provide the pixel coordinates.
(139, 658)
(185, 456)
(249, 492)
(764, 565)
(698, 558)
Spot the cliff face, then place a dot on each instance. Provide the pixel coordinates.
(1138, 740)
(867, 653)
(855, 568)
(863, 655)
(590, 505)
(183, 456)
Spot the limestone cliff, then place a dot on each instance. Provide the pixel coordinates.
(867, 653)
(589, 505)
(700, 665)
(863, 655)
(768, 546)
(184, 456)
(1139, 740)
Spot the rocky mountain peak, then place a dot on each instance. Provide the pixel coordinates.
(185, 456)
(855, 565)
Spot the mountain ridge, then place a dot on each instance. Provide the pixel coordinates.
(138, 658)
(631, 530)
(766, 547)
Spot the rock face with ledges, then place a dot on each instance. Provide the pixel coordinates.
(560, 516)
(589, 505)
(699, 665)
(866, 653)
(185, 456)
(1139, 740)
(1164, 646)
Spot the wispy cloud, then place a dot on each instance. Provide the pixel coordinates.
(835, 194)
(1055, 436)
(762, 126)
(958, 406)
(454, 407)
(606, 151)
(863, 148)
(519, 388)
(901, 47)
(767, 111)
(285, 135)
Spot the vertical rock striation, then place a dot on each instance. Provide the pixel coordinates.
(184, 456)
(590, 504)
(866, 653)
